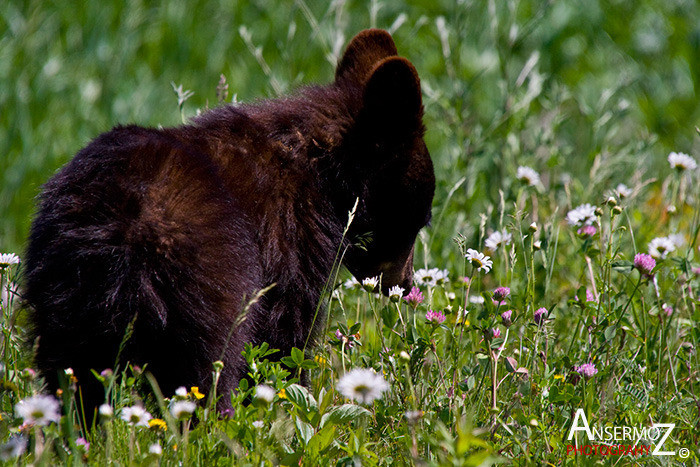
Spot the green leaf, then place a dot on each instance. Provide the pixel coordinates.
(497, 343)
(320, 441)
(288, 361)
(389, 316)
(554, 393)
(300, 396)
(623, 266)
(304, 430)
(343, 414)
(471, 382)
(511, 364)
(243, 385)
(325, 398)
(308, 364)
(297, 356)
(610, 333)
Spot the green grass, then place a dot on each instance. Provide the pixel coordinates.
(589, 94)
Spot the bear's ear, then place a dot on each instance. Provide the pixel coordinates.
(392, 97)
(365, 50)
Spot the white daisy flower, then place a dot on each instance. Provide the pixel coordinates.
(426, 277)
(370, 283)
(660, 247)
(362, 385)
(38, 410)
(441, 276)
(265, 393)
(181, 392)
(155, 449)
(677, 239)
(498, 239)
(8, 259)
(528, 176)
(412, 416)
(182, 409)
(14, 448)
(106, 411)
(479, 260)
(623, 191)
(136, 416)
(395, 293)
(681, 161)
(582, 215)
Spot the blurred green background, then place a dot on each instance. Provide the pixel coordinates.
(599, 89)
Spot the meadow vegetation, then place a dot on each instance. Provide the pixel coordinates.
(561, 270)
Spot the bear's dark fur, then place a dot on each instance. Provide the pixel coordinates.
(175, 229)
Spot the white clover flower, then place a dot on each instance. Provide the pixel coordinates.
(623, 191)
(181, 392)
(258, 424)
(528, 176)
(395, 293)
(582, 215)
(660, 247)
(155, 449)
(265, 393)
(136, 416)
(362, 385)
(14, 448)
(370, 283)
(498, 239)
(479, 260)
(352, 283)
(106, 411)
(182, 409)
(476, 299)
(38, 410)
(681, 161)
(8, 259)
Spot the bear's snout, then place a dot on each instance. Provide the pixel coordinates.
(399, 273)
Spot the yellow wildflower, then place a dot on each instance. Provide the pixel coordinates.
(321, 360)
(195, 392)
(282, 394)
(157, 423)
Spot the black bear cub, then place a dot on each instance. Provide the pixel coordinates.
(170, 232)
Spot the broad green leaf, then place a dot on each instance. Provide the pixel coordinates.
(343, 414)
(300, 396)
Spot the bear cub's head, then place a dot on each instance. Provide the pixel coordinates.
(386, 146)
